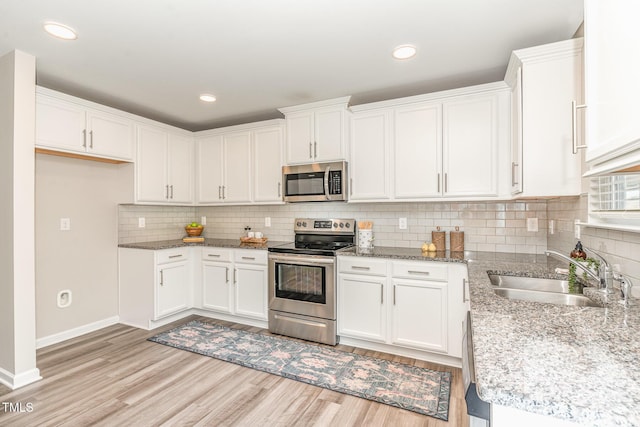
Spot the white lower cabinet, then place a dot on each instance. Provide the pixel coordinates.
(154, 285)
(234, 282)
(417, 305)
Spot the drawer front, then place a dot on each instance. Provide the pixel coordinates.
(216, 254)
(361, 265)
(172, 255)
(250, 256)
(419, 270)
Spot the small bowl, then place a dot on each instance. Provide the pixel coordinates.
(194, 231)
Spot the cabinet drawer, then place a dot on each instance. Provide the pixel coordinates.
(172, 255)
(419, 270)
(252, 256)
(216, 254)
(374, 267)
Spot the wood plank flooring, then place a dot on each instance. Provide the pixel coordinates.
(115, 377)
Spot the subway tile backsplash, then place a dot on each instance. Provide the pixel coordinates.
(488, 226)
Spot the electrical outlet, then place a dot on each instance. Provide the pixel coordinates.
(552, 226)
(141, 222)
(402, 223)
(203, 220)
(576, 228)
(267, 221)
(65, 224)
(532, 224)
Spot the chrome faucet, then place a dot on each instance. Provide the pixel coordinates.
(601, 277)
(625, 287)
(604, 270)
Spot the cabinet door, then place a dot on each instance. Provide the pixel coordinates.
(110, 135)
(180, 169)
(470, 146)
(237, 167)
(419, 316)
(251, 291)
(300, 137)
(151, 165)
(216, 286)
(611, 69)
(210, 162)
(369, 167)
(267, 165)
(329, 134)
(172, 290)
(418, 151)
(516, 135)
(60, 125)
(361, 307)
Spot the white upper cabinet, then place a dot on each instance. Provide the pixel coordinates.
(545, 80)
(369, 169)
(612, 89)
(418, 151)
(164, 166)
(240, 164)
(448, 144)
(470, 146)
(68, 124)
(316, 132)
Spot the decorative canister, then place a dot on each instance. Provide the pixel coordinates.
(438, 239)
(365, 238)
(457, 240)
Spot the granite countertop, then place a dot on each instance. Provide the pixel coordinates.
(578, 364)
(220, 243)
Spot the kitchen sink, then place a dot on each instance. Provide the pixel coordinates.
(531, 283)
(546, 297)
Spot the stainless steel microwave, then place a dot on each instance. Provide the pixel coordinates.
(315, 182)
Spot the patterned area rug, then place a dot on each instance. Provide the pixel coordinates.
(408, 387)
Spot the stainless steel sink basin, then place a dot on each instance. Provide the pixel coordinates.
(547, 297)
(530, 283)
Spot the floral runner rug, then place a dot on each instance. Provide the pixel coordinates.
(404, 386)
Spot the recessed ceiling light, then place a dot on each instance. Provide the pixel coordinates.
(60, 31)
(207, 97)
(404, 51)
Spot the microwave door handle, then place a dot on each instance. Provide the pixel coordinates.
(326, 183)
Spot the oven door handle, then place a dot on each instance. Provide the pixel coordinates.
(295, 259)
(326, 183)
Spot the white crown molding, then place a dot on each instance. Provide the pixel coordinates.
(344, 101)
(240, 128)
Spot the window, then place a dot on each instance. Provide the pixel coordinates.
(615, 200)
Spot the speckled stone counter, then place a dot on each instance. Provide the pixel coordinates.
(219, 243)
(404, 253)
(580, 364)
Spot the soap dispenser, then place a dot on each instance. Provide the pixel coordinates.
(578, 252)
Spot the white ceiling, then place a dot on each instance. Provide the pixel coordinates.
(154, 57)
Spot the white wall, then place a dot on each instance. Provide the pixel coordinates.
(84, 259)
(17, 134)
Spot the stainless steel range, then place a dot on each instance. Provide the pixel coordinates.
(302, 279)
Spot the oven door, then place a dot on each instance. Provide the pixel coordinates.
(303, 284)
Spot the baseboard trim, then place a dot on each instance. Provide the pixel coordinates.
(16, 381)
(76, 332)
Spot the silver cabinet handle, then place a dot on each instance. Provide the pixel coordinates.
(446, 182)
(357, 267)
(381, 293)
(438, 183)
(226, 274)
(310, 152)
(426, 273)
(219, 194)
(351, 186)
(394, 294)
(166, 190)
(214, 255)
(91, 139)
(250, 258)
(464, 290)
(574, 126)
(84, 138)
(223, 195)
(161, 277)
(279, 189)
(235, 272)
(171, 186)
(175, 256)
(514, 165)
(315, 149)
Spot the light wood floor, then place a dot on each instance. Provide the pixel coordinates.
(114, 377)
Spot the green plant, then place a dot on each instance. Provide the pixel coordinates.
(591, 263)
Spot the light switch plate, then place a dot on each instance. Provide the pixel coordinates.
(141, 222)
(402, 223)
(576, 229)
(203, 220)
(267, 221)
(532, 224)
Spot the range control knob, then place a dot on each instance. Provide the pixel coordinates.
(346, 224)
(304, 224)
(298, 223)
(342, 225)
(335, 225)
